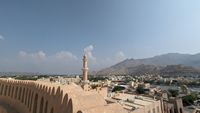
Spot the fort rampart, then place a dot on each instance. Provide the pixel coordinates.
(46, 97)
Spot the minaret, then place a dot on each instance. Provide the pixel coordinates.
(85, 68)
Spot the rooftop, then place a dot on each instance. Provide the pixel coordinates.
(134, 101)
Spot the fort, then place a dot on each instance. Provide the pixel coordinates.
(46, 97)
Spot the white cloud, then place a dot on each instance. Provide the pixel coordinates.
(40, 56)
(88, 51)
(1, 37)
(60, 62)
(25, 62)
(22, 54)
(36, 56)
(65, 55)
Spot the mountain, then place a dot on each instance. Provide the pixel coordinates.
(158, 64)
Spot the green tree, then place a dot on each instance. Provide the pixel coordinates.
(140, 90)
(118, 88)
(173, 92)
(189, 99)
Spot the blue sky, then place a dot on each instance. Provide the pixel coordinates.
(52, 35)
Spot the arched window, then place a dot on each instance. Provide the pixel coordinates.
(41, 105)
(35, 103)
(46, 107)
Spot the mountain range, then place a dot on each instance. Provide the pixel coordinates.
(166, 63)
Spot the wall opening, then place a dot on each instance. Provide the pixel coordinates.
(2, 89)
(35, 104)
(70, 107)
(51, 110)
(46, 107)
(29, 97)
(181, 111)
(12, 92)
(175, 110)
(5, 93)
(31, 100)
(20, 91)
(171, 111)
(23, 95)
(9, 89)
(26, 97)
(41, 105)
(16, 91)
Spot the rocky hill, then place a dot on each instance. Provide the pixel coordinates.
(167, 63)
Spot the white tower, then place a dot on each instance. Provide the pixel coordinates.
(85, 68)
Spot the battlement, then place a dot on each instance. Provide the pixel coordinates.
(46, 97)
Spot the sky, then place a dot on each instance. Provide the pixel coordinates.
(51, 36)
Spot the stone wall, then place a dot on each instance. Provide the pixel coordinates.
(45, 97)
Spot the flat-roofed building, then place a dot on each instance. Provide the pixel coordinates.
(138, 104)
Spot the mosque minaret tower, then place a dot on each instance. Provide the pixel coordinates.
(85, 68)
